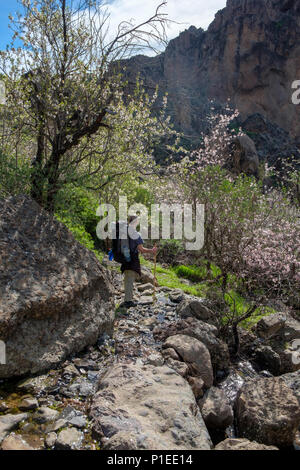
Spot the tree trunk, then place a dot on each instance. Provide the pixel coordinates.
(36, 178)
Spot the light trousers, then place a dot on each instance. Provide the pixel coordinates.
(129, 278)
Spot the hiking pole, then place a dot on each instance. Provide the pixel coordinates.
(154, 274)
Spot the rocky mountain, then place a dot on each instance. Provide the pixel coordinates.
(250, 54)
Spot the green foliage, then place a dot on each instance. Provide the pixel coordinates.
(144, 196)
(169, 250)
(193, 273)
(78, 207)
(79, 232)
(14, 175)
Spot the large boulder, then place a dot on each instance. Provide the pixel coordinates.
(195, 354)
(268, 412)
(10, 422)
(55, 297)
(293, 382)
(196, 308)
(204, 332)
(245, 157)
(242, 444)
(207, 334)
(216, 410)
(270, 325)
(147, 408)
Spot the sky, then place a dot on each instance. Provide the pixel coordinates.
(199, 13)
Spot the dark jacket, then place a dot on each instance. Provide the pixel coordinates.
(134, 264)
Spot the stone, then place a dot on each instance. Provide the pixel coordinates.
(268, 359)
(197, 385)
(176, 297)
(242, 444)
(123, 440)
(207, 334)
(292, 381)
(146, 300)
(29, 403)
(59, 298)
(37, 385)
(149, 322)
(45, 414)
(69, 439)
(216, 410)
(3, 406)
(291, 330)
(50, 439)
(289, 358)
(180, 367)
(268, 412)
(15, 442)
(145, 408)
(70, 371)
(145, 287)
(196, 308)
(10, 422)
(270, 325)
(244, 156)
(155, 359)
(74, 417)
(170, 353)
(146, 276)
(54, 426)
(195, 354)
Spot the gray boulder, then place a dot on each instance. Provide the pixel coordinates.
(55, 296)
(195, 354)
(196, 308)
(242, 444)
(146, 408)
(69, 439)
(293, 382)
(245, 157)
(10, 422)
(268, 412)
(270, 325)
(215, 409)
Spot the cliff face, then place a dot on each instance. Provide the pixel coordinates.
(250, 54)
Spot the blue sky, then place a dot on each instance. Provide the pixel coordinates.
(186, 12)
(6, 7)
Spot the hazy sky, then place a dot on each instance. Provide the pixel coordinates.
(188, 12)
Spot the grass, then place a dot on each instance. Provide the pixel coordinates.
(172, 278)
(238, 303)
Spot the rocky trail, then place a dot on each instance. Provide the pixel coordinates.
(82, 373)
(164, 380)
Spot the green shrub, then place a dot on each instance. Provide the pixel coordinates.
(192, 273)
(79, 232)
(14, 176)
(169, 250)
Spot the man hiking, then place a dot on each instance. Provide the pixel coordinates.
(132, 269)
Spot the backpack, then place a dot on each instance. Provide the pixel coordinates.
(120, 245)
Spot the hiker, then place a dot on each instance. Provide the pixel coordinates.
(132, 269)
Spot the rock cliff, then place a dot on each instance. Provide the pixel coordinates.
(250, 54)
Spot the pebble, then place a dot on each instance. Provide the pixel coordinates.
(69, 439)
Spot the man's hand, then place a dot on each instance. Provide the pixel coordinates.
(154, 250)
